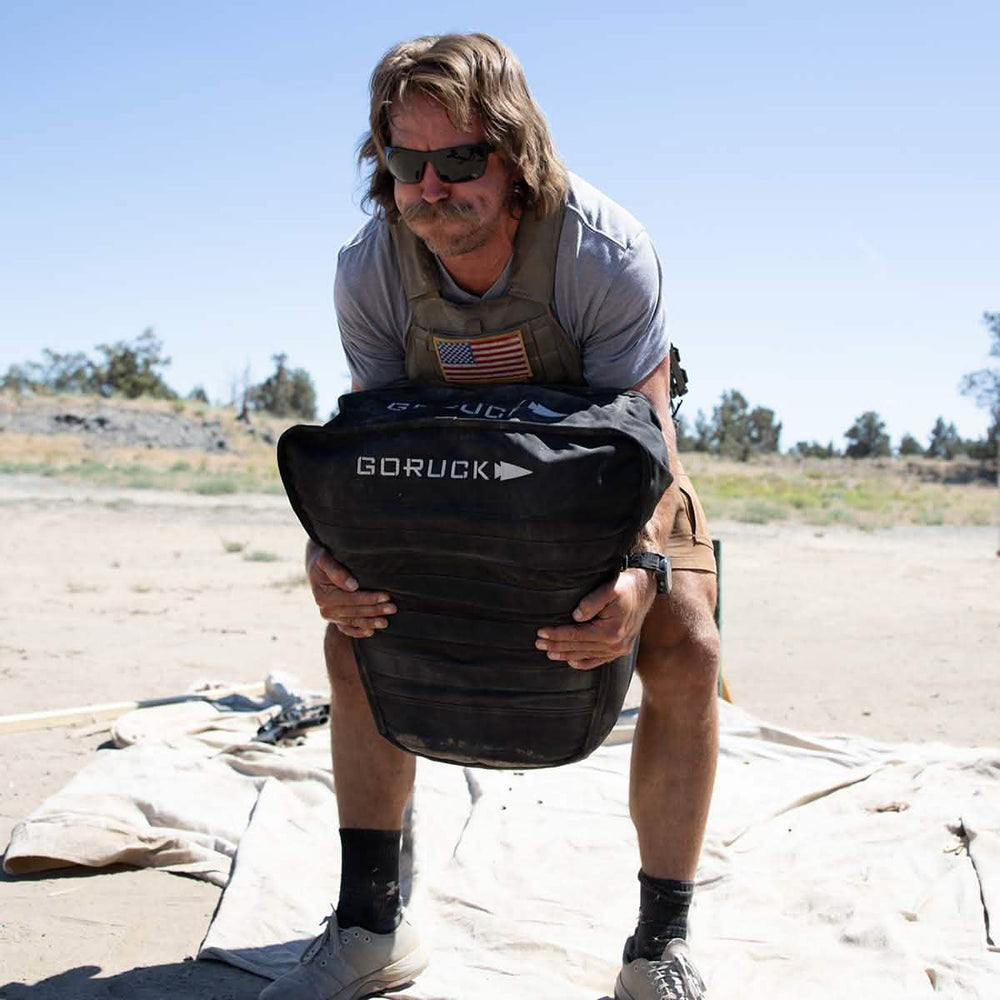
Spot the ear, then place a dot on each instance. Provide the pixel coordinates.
(515, 200)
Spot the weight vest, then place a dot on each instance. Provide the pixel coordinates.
(514, 338)
(486, 512)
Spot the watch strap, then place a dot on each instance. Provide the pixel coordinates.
(656, 562)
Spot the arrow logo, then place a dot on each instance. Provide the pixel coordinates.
(540, 410)
(504, 470)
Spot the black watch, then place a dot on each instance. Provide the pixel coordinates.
(655, 562)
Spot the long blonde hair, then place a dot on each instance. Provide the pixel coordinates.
(467, 75)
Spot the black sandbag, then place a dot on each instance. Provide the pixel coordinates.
(486, 512)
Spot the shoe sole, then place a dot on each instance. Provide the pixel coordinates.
(393, 977)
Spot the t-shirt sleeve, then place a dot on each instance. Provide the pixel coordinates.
(626, 337)
(372, 315)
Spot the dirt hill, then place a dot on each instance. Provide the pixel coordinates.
(188, 446)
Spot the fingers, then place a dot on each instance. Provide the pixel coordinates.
(323, 565)
(587, 632)
(585, 646)
(356, 613)
(594, 603)
(582, 654)
(352, 632)
(335, 605)
(359, 629)
(589, 663)
(590, 635)
(589, 657)
(610, 617)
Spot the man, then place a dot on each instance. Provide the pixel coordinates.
(478, 227)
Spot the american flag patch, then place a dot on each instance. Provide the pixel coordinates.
(500, 358)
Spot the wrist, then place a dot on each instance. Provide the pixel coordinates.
(643, 587)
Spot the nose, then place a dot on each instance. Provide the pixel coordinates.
(432, 188)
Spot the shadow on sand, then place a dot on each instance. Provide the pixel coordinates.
(207, 980)
(187, 980)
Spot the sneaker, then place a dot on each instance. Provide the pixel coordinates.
(672, 977)
(353, 963)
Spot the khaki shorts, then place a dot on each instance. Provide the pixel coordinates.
(690, 545)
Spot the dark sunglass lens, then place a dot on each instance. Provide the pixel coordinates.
(452, 165)
(461, 163)
(406, 165)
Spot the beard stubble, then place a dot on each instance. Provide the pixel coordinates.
(423, 215)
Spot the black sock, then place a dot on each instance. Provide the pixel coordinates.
(663, 914)
(369, 880)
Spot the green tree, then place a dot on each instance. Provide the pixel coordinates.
(944, 441)
(813, 449)
(686, 441)
(285, 393)
(73, 372)
(303, 394)
(983, 449)
(702, 432)
(124, 369)
(730, 436)
(764, 433)
(14, 378)
(984, 385)
(909, 445)
(54, 373)
(130, 369)
(867, 437)
(738, 432)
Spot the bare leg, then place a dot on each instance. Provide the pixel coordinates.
(676, 740)
(373, 778)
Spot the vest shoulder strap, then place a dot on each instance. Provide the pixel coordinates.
(536, 247)
(416, 265)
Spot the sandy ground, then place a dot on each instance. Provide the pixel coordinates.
(111, 595)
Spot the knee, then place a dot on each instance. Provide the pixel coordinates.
(681, 673)
(678, 659)
(341, 667)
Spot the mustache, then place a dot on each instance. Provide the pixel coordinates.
(424, 211)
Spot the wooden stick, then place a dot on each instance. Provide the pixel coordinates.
(111, 710)
(726, 692)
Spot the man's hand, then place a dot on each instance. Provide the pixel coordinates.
(612, 617)
(357, 613)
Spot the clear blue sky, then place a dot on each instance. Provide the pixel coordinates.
(821, 182)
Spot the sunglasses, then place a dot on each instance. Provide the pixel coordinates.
(453, 164)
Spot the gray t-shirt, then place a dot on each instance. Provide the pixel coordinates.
(608, 298)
